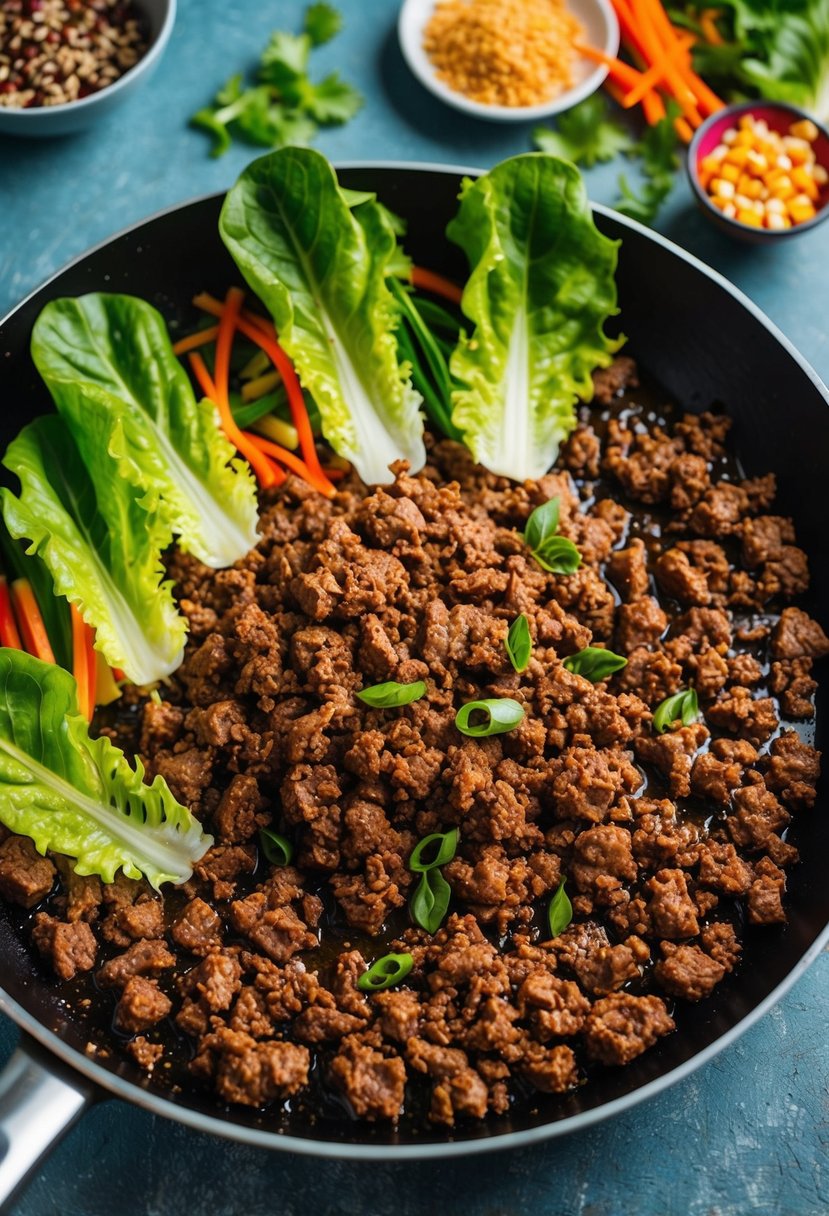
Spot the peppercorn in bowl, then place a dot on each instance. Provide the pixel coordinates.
(66, 63)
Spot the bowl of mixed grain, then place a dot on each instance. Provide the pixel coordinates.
(507, 60)
(65, 63)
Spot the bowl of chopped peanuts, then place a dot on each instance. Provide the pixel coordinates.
(66, 63)
(760, 171)
(507, 60)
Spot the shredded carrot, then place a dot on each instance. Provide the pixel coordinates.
(30, 622)
(80, 662)
(91, 670)
(119, 676)
(335, 474)
(650, 18)
(618, 70)
(708, 100)
(708, 25)
(201, 338)
(656, 74)
(9, 634)
(262, 467)
(427, 280)
(684, 130)
(292, 462)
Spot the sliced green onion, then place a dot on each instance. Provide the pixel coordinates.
(594, 663)
(560, 911)
(519, 643)
(431, 900)
(682, 706)
(500, 715)
(385, 972)
(390, 695)
(445, 851)
(277, 848)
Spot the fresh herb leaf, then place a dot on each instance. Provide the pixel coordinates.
(277, 848)
(594, 663)
(542, 524)
(559, 556)
(560, 911)
(385, 972)
(284, 61)
(682, 706)
(445, 851)
(430, 901)
(391, 695)
(500, 714)
(332, 102)
(322, 22)
(660, 161)
(80, 796)
(585, 134)
(519, 643)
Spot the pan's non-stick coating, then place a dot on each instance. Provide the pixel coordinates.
(695, 337)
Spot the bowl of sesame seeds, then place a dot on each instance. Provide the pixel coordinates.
(65, 63)
(507, 60)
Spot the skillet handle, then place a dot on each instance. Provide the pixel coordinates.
(39, 1102)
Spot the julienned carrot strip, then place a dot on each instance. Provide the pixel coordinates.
(30, 622)
(654, 75)
(708, 25)
(9, 633)
(628, 26)
(618, 70)
(80, 661)
(264, 468)
(335, 474)
(91, 670)
(708, 100)
(684, 130)
(648, 21)
(201, 338)
(292, 462)
(427, 280)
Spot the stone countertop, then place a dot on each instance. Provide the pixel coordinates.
(749, 1133)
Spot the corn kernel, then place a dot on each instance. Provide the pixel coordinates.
(719, 153)
(775, 206)
(726, 206)
(729, 173)
(743, 202)
(722, 189)
(755, 188)
(709, 164)
(804, 129)
(783, 162)
(750, 217)
(743, 182)
(730, 137)
(777, 222)
(745, 139)
(761, 128)
(755, 163)
(746, 122)
(737, 156)
(802, 178)
(800, 209)
(820, 175)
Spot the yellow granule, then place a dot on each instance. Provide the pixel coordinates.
(503, 52)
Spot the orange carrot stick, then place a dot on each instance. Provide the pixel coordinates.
(80, 659)
(428, 280)
(654, 75)
(9, 633)
(262, 467)
(623, 72)
(684, 130)
(708, 25)
(200, 338)
(293, 463)
(30, 622)
(651, 20)
(91, 669)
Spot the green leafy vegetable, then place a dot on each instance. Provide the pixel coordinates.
(500, 714)
(585, 134)
(53, 608)
(682, 706)
(430, 901)
(660, 162)
(80, 796)
(430, 370)
(560, 911)
(116, 349)
(100, 540)
(560, 556)
(554, 553)
(277, 848)
(542, 524)
(320, 268)
(286, 106)
(519, 643)
(385, 972)
(445, 851)
(594, 663)
(540, 290)
(391, 695)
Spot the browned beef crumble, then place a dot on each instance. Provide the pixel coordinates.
(686, 572)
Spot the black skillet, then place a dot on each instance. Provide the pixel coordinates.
(704, 342)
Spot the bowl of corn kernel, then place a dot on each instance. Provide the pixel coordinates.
(760, 170)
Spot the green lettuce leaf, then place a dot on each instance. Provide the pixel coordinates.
(320, 268)
(116, 349)
(98, 538)
(540, 289)
(80, 796)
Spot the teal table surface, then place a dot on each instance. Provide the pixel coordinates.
(749, 1133)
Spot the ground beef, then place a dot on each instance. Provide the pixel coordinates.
(257, 966)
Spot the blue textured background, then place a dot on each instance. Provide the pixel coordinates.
(747, 1134)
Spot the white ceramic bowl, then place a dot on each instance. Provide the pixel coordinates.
(599, 29)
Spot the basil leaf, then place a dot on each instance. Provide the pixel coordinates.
(385, 972)
(682, 705)
(560, 911)
(445, 852)
(502, 714)
(277, 849)
(559, 555)
(519, 643)
(542, 524)
(391, 694)
(431, 900)
(594, 663)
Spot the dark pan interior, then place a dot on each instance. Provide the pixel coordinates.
(695, 338)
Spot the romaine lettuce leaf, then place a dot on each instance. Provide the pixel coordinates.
(320, 269)
(100, 539)
(80, 796)
(540, 289)
(117, 349)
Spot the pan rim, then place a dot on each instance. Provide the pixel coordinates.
(127, 1090)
